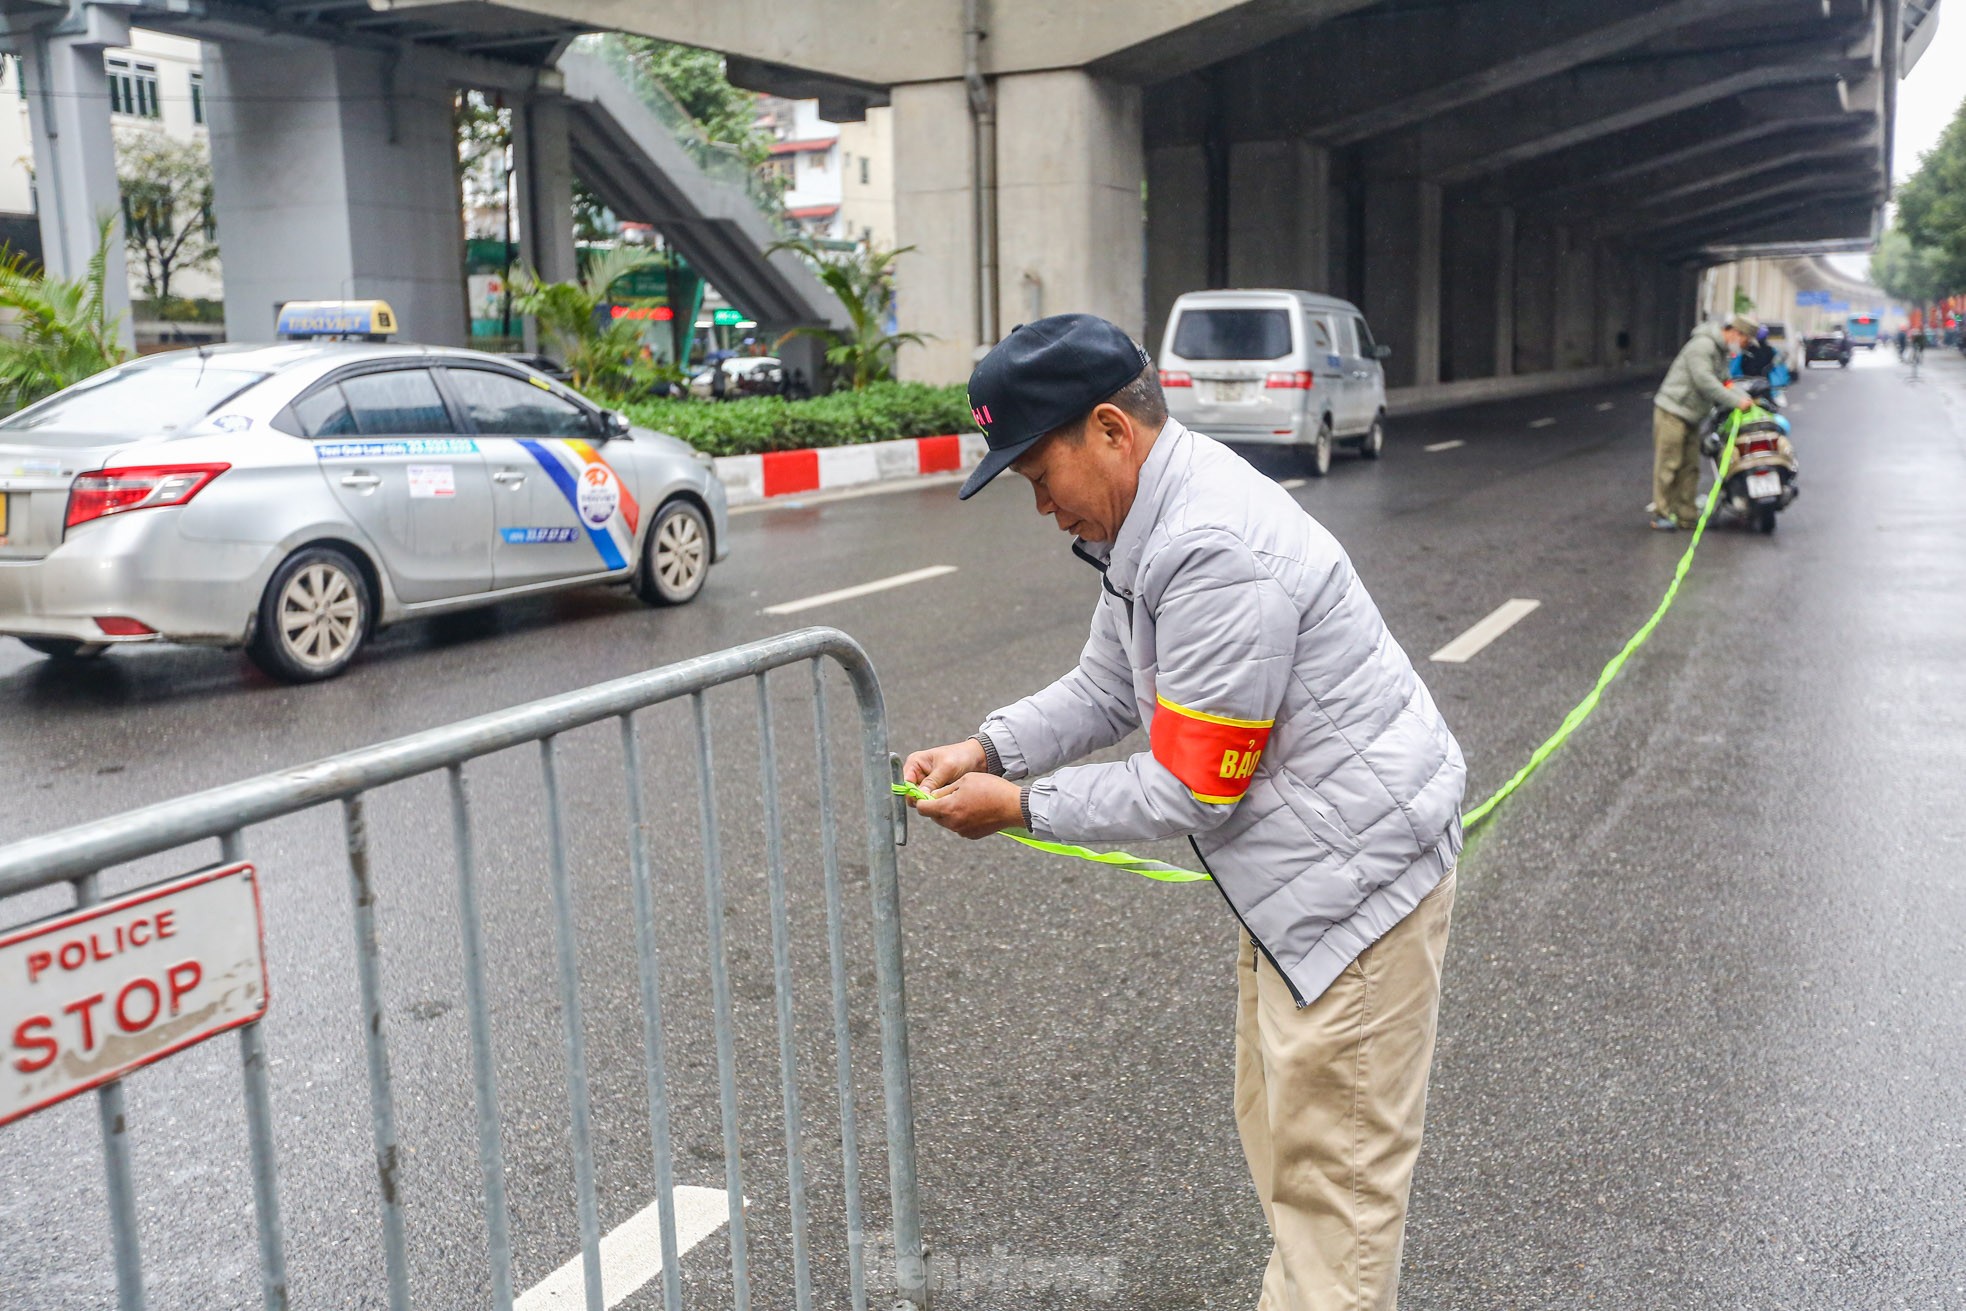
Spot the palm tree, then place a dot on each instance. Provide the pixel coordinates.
(599, 354)
(863, 282)
(61, 331)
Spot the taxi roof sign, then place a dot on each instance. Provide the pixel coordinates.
(313, 320)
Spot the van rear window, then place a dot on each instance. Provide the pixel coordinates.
(1232, 334)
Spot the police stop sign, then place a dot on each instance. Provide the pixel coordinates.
(89, 995)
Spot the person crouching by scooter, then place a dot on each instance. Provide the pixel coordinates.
(1696, 382)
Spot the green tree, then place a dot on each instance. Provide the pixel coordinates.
(60, 331)
(600, 353)
(1743, 303)
(1904, 271)
(166, 186)
(1932, 211)
(696, 79)
(862, 280)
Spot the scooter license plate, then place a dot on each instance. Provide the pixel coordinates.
(1763, 485)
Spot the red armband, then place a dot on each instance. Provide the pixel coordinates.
(1213, 756)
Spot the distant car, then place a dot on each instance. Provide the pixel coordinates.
(1269, 367)
(293, 498)
(1830, 347)
(744, 375)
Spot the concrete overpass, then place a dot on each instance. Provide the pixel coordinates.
(1509, 189)
(335, 159)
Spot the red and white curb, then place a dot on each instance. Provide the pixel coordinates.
(750, 479)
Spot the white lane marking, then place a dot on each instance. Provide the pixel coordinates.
(631, 1254)
(1469, 644)
(1445, 446)
(860, 589)
(1541, 423)
(1292, 484)
(1602, 406)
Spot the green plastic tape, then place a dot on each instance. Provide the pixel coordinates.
(1164, 873)
(1582, 710)
(1119, 860)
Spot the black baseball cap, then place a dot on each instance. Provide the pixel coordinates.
(1043, 376)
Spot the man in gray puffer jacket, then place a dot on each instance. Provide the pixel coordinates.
(1288, 737)
(1696, 382)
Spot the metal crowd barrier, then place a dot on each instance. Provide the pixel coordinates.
(77, 856)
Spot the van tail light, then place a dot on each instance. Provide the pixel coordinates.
(123, 626)
(1302, 380)
(113, 491)
(1176, 378)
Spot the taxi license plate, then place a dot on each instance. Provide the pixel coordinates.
(1764, 484)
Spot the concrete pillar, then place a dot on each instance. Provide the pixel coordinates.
(1535, 296)
(1576, 300)
(1177, 219)
(543, 178)
(1505, 292)
(347, 192)
(1070, 225)
(1478, 290)
(542, 182)
(936, 281)
(1279, 202)
(67, 94)
(1402, 275)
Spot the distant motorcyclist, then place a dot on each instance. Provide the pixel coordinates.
(1696, 382)
(1758, 356)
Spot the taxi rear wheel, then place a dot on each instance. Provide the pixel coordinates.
(313, 618)
(675, 555)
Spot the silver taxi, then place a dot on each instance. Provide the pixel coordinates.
(1274, 367)
(293, 498)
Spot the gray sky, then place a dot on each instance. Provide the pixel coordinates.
(1927, 100)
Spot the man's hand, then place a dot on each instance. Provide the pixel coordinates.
(938, 767)
(975, 805)
(1744, 402)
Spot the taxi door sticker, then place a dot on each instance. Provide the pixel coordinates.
(600, 500)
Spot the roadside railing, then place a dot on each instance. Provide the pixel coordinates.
(79, 856)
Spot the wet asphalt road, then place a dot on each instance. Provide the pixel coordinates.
(1704, 1029)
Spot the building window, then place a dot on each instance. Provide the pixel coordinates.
(133, 89)
(863, 170)
(198, 97)
(816, 161)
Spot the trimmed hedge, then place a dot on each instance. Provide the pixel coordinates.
(880, 412)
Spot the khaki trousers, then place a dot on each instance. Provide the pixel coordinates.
(1329, 1103)
(1675, 466)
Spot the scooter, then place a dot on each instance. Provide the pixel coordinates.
(1761, 480)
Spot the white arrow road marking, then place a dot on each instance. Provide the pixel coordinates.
(631, 1254)
(860, 589)
(1469, 644)
(1541, 423)
(1445, 446)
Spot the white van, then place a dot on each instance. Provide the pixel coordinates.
(1276, 368)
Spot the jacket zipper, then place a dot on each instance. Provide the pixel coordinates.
(1294, 994)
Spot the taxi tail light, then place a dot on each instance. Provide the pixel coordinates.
(120, 626)
(1302, 380)
(105, 492)
(1177, 378)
